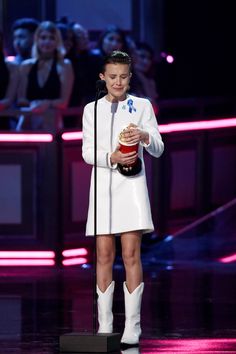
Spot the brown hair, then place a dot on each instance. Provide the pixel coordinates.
(117, 57)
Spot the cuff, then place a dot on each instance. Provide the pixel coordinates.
(114, 166)
(146, 145)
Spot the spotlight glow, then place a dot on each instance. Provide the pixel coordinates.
(169, 59)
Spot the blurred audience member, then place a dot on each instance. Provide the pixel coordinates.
(8, 84)
(113, 38)
(23, 31)
(46, 80)
(87, 66)
(69, 39)
(143, 82)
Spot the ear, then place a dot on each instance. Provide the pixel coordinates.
(101, 76)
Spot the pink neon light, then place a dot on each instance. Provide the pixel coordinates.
(75, 252)
(209, 124)
(228, 259)
(74, 261)
(27, 254)
(26, 138)
(218, 345)
(27, 262)
(174, 127)
(72, 136)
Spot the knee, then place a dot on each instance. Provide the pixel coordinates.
(105, 257)
(130, 258)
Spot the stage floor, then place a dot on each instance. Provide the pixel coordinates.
(187, 307)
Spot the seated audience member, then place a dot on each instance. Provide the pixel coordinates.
(8, 85)
(143, 82)
(46, 80)
(23, 31)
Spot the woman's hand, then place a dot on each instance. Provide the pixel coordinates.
(39, 106)
(133, 135)
(124, 159)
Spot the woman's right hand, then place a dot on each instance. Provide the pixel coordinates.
(123, 159)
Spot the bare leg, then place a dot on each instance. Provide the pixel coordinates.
(131, 245)
(105, 260)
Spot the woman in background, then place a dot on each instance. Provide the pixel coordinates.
(113, 38)
(8, 84)
(143, 81)
(46, 79)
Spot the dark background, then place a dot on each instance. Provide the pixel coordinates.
(199, 34)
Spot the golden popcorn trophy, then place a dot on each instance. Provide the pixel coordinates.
(134, 168)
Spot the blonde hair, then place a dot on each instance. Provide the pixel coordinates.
(50, 27)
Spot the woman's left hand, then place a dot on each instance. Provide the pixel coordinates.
(39, 106)
(133, 135)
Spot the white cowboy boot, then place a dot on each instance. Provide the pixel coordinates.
(105, 315)
(133, 300)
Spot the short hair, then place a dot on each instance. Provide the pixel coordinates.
(52, 28)
(29, 24)
(117, 57)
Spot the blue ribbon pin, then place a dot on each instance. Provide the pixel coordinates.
(130, 103)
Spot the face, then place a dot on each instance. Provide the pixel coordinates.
(47, 42)
(22, 41)
(68, 41)
(82, 37)
(112, 41)
(117, 77)
(143, 60)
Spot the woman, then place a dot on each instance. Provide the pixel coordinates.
(47, 78)
(8, 84)
(113, 38)
(143, 81)
(122, 202)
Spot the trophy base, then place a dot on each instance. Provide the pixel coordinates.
(130, 170)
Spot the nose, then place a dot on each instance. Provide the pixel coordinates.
(118, 81)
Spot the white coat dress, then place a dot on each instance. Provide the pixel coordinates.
(122, 202)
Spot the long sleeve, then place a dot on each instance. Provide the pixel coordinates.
(149, 124)
(103, 157)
